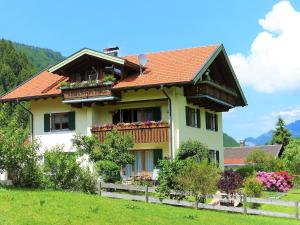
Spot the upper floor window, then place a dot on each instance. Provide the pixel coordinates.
(137, 115)
(59, 121)
(211, 121)
(193, 118)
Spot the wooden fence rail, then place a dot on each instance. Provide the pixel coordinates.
(244, 209)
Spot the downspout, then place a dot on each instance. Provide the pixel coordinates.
(31, 118)
(171, 120)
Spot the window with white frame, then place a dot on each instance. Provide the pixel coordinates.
(211, 121)
(193, 118)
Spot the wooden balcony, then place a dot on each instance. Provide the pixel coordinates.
(211, 96)
(140, 134)
(85, 94)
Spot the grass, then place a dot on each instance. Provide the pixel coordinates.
(292, 195)
(55, 207)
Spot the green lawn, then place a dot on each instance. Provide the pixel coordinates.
(53, 207)
(292, 195)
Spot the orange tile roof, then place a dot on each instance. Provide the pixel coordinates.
(166, 67)
(175, 66)
(43, 84)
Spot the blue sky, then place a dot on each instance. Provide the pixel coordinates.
(148, 26)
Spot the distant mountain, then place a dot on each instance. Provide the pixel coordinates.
(229, 141)
(40, 58)
(294, 128)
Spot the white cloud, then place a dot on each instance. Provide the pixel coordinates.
(289, 114)
(273, 63)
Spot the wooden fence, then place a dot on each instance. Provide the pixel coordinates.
(102, 187)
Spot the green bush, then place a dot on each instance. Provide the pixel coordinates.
(192, 149)
(253, 188)
(169, 170)
(61, 169)
(87, 181)
(246, 171)
(108, 170)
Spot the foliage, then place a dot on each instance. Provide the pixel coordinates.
(230, 181)
(110, 126)
(169, 169)
(63, 172)
(246, 170)
(18, 156)
(275, 181)
(108, 78)
(108, 170)
(115, 148)
(229, 141)
(263, 161)
(61, 168)
(87, 181)
(192, 149)
(291, 156)
(281, 135)
(40, 58)
(199, 179)
(253, 188)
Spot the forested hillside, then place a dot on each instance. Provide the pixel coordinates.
(39, 57)
(229, 141)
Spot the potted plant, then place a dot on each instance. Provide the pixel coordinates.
(108, 80)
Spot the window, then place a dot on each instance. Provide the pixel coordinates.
(59, 121)
(214, 156)
(144, 163)
(192, 117)
(137, 115)
(211, 121)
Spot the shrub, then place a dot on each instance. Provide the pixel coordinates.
(169, 169)
(87, 181)
(291, 156)
(246, 171)
(200, 179)
(230, 182)
(108, 170)
(192, 149)
(19, 157)
(275, 181)
(253, 188)
(61, 169)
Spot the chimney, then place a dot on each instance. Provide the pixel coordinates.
(242, 143)
(111, 51)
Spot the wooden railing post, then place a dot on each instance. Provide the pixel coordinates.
(244, 204)
(297, 210)
(100, 188)
(146, 194)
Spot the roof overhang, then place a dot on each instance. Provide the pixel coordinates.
(86, 51)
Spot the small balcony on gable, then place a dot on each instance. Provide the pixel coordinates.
(211, 95)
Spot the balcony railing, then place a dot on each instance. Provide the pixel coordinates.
(210, 94)
(86, 92)
(140, 134)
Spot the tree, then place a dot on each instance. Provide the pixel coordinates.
(200, 179)
(192, 149)
(18, 156)
(281, 135)
(230, 182)
(291, 156)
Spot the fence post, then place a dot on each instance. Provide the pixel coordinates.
(146, 194)
(100, 188)
(245, 204)
(297, 210)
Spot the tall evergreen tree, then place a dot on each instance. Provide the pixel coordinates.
(281, 135)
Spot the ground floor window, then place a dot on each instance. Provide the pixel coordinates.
(145, 161)
(59, 121)
(214, 156)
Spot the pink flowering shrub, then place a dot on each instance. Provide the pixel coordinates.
(275, 181)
